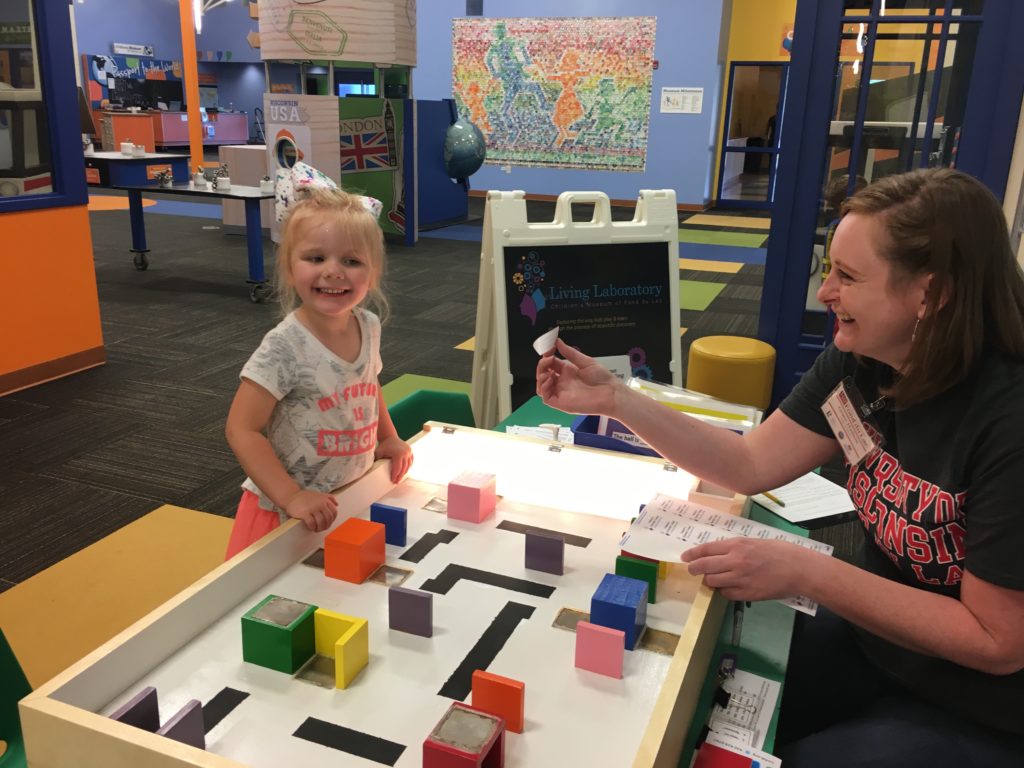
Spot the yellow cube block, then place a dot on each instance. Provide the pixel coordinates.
(662, 569)
(346, 639)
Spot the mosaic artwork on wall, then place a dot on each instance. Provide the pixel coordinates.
(558, 92)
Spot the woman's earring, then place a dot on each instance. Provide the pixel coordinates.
(914, 334)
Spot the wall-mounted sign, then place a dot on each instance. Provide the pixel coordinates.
(132, 49)
(15, 33)
(682, 100)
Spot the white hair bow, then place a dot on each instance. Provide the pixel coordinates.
(292, 181)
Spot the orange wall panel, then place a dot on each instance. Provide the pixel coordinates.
(50, 308)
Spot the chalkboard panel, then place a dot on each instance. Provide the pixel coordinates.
(609, 299)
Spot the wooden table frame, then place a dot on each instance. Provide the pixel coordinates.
(60, 720)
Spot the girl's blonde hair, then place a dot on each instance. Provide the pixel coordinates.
(357, 223)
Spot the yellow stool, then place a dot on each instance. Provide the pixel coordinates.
(732, 368)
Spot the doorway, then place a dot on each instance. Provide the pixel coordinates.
(883, 88)
(750, 136)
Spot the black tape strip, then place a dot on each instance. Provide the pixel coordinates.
(316, 560)
(427, 542)
(352, 742)
(480, 656)
(452, 574)
(569, 538)
(220, 706)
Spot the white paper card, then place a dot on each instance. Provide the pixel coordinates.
(563, 435)
(751, 704)
(808, 498)
(546, 342)
(617, 364)
(668, 526)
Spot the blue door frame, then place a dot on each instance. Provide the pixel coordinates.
(772, 152)
(984, 151)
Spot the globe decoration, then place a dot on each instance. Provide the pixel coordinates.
(464, 149)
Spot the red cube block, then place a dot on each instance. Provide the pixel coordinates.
(354, 550)
(465, 738)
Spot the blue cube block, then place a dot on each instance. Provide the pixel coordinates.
(621, 603)
(394, 521)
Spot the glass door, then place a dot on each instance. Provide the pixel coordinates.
(898, 104)
(750, 138)
(878, 87)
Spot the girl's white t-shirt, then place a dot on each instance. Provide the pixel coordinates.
(324, 426)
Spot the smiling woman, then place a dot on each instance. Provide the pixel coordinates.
(877, 306)
(925, 639)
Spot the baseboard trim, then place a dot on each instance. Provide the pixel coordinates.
(52, 369)
(694, 207)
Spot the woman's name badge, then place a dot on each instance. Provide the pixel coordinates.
(846, 412)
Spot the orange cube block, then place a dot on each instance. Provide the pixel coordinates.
(354, 550)
(501, 696)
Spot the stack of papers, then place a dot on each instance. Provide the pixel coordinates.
(668, 526)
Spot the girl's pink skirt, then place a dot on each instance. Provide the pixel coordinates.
(252, 523)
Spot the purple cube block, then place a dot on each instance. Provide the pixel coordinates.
(545, 552)
(411, 610)
(141, 711)
(187, 726)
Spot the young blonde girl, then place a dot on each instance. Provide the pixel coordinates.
(308, 416)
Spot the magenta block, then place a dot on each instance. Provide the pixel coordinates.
(471, 497)
(600, 649)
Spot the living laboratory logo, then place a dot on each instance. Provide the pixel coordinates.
(529, 278)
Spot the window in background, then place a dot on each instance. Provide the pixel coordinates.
(24, 135)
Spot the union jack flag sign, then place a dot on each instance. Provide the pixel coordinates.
(365, 152)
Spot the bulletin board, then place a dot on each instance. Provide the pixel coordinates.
(612, 288)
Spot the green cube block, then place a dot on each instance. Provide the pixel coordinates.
(279, 634)
(643, 570)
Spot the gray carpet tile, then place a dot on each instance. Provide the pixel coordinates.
(12, 478)
(151, 401)
(160, 463)
(724, 304)
(56, 435)
(47, 520)
(702, 276)
(219, 496)
(12, 409)
(5, 584)
(139, 355)
(741, 291)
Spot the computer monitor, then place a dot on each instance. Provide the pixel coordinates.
(357, 89)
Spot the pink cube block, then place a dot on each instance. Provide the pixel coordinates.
(600, 649)
(471, 497)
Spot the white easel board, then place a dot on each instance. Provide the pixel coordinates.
(612, 287)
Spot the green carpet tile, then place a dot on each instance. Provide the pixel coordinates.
(408, 383)
(697, 295)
